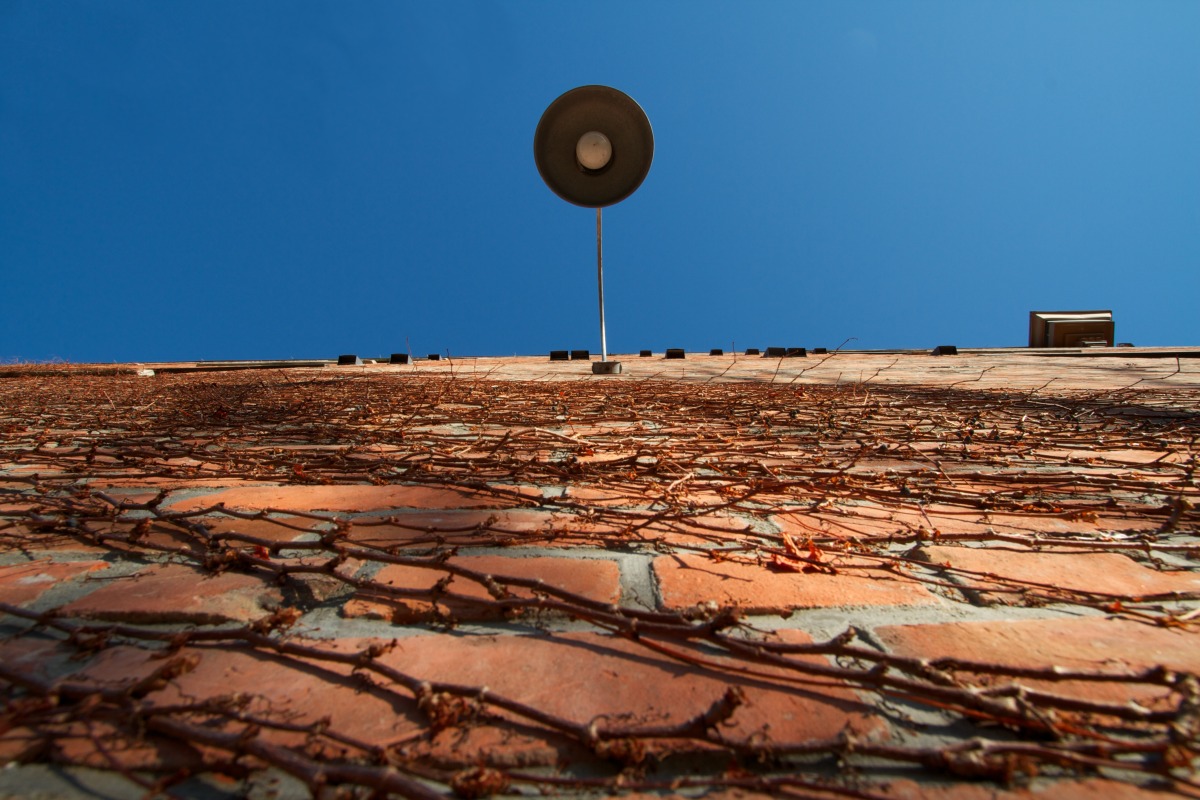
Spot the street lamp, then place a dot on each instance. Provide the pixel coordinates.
(593, 147)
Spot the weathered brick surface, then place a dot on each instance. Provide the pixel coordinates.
(175, 593)
(1117, 647)
(585, 677)
(279, 530)
(21, 744)
(101, 745)
(545, 527)
(24, 583)
(858, 518)
(1091, 789)
(596, 579)
(1107, 574)
(578, 677)
(268, 684)
(462, 527)
(688, 580)
(677, 489)
(343, 498)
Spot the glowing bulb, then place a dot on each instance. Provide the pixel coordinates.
(593, 150)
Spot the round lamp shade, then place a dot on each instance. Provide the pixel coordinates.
(593, 146)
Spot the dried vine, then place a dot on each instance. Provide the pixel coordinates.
(858, 474)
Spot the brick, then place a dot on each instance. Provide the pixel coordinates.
(275, 685)
(865, 518)
(1091, 643)
(20, 744)
(453, 526)
(33, 657)
(1091, 789)
(34, 542)
(687, 580)
(601, 497)
(1121, 456)
(103, 745)
(174, 593)
(270, 529)
(76, 741)
(581, 677)
(13, 506)
(121, 495)
(173, 484)
(544, 527)
(154, 533)
(1102, 573)
(161, 533)
(596, 579)
(586, 677)
(348, 498)
(24, 583)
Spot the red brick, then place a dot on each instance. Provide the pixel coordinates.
(687, 580)
(76, 741)
(1092, 789)
(32, 540)
(1123, 457)
(1092, 643)
(593, 578)
(123, 496)
(863, 518)
(348, 498)
(586, 677)
(544, 527)
(21, 744)
(270, 529)
(172, 484)
(601, 497)
(31, 656)
(164, 534)
(11, 506)
(103, 745)
(1101, 573)
(581, 677)
(153, 532)
(306, 691)
(460, 527)
(278, 685)
(175, 593)
(24, 583)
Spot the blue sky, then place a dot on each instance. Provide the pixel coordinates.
(233, 179)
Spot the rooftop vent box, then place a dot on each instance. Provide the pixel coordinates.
(1070, 329)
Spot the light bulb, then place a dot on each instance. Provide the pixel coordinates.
(593, 150)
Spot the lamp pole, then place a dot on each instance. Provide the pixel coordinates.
(600, 283)
(593, 147)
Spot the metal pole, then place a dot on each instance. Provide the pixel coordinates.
(600, 282)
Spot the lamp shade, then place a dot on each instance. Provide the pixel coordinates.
(593, 146)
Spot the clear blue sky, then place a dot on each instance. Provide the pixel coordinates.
(252, 179)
